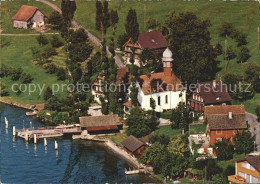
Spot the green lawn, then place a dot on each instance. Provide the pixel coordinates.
(17, 53)
(167, 130)
(117, 138)
(197, 129)
(9, 8)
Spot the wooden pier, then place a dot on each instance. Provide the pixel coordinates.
(41, 133)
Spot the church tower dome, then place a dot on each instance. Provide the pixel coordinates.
(167, 62)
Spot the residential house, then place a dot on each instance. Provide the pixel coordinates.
(122, 82)
(100, 124)
(134, 146)
(247, 170)
(224, 121)
(28, 16)
(153, 40)
(164, 87)
(209, 93)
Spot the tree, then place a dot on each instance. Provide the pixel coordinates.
(48, 94)
(113, 19)
(189, 34)
(240, 39)
(218, 179)
(121, 40)
(26, 78)
(132, 26)
(243, 54)
(224, 149)
(78, 36)
(149, 63)
(181, 117)
(61, 74)
(227, 29)
(230, 53)
(68, 9)
(56, 42)
(56, 20)
(179, 145)
(257, 111)
(139, 122)
(244, 142)
(102, 17)
(153, 152)
(160, 138)
(134, 94)
(42, 39)
(3, 91)
(219, 49)
(152, 24)
(152, 103)
(252, 75)
(79, 52)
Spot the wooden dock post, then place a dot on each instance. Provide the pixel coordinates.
(6, 123)
(55, 145)
(45, 142)
(26, 137)
(34, 139)
(14, 133)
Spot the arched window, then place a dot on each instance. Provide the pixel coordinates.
(166, 99)
(159, 100)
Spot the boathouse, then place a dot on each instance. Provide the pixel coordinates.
(134, 146)
(100, 124)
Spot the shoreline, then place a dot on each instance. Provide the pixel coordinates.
(14, 104)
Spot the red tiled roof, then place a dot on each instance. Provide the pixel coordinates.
(123, 76)
(152, 40)
(172, 82)
(128, 104)
(25, 13)
(224, 109)
(39, 107)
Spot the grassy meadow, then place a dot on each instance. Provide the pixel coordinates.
(17, 53)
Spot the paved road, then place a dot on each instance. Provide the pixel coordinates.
(94, 39)
(252, 121)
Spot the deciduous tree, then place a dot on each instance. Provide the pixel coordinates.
(244, 142)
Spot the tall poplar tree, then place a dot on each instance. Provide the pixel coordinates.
(68, 8)
(132, 26)
(102, 17)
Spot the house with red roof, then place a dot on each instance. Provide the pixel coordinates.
(224, 121)
(28, 16)
(153, 40)
(164, 87)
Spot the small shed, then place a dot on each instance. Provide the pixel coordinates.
(134, 146)
(39, 107)
(28, 16)
(100, 124)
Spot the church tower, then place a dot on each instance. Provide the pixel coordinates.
(167, 62)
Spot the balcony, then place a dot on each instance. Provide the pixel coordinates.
(236, 179)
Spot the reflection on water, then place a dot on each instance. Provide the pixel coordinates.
(75, 161)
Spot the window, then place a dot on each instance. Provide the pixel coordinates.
(248, 178)
(242, 174)
(218, 139)
(159, 100)
(255, 179)
(219, 132)
(244, 164)
(252, 167)
(166, 99)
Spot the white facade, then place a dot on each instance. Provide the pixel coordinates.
(163, 100)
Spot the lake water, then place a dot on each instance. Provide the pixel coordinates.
(76, 161)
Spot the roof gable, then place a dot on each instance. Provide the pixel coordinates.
(213, 94)
(25, 13)
(152, 40)
(132, 143)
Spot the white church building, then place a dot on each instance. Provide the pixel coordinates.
(164, 87)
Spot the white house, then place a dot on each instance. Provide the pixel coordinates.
(164, 87)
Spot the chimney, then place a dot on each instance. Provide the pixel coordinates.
(214, 83)
(229, 115)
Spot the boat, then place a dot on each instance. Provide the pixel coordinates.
(31, 113)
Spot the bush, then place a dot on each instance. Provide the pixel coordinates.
(257, 111)
(50, 68)
(230, 53)
(5, 70)
(48, 52)
(16, 74)
(42, 39)
(227, 29)
(56, 42)
(26, 78)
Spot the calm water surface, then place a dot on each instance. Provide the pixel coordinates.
(76, 161)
